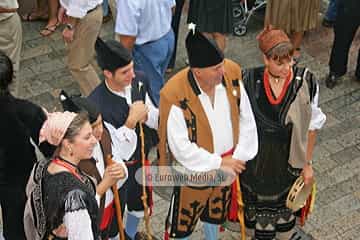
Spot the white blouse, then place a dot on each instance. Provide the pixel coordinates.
(79, 8)
(318, 118)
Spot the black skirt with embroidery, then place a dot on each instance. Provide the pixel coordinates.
(268, 177)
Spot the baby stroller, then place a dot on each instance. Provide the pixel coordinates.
(242, 11)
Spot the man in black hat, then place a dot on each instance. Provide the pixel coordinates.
(124, 102)
(207, 123)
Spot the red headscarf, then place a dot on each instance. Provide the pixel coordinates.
(269, 38)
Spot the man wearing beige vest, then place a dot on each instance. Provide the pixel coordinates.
(207, 125)
(10, 31)
(83, 21)
(285, 103)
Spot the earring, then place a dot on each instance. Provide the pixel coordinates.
(70, 151)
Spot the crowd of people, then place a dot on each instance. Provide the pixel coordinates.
(257, 126)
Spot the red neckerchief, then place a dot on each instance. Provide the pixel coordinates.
(68, 166)
(268, 90)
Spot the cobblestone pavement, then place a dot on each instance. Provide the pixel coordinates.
(337, 154)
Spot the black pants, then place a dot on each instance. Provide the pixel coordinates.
(12, 201)
(345, 29)
(175, 26)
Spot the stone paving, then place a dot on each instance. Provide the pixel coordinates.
(337, 154)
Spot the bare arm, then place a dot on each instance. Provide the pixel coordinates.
(311, 144)
(308, 172)
(127, 41)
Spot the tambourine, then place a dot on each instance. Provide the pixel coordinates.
(298, 194)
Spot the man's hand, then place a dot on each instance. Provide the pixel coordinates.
(308, 174)
(61, 15)
(113, 173)
(229, 163)
(68, 35)
(138, 113)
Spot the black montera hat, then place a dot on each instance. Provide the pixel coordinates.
(201, 51)
(111, 55)
(77, 104)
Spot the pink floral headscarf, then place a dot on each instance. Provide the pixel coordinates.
(54, 128)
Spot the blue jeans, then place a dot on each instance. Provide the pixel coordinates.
(105, 6)
(210, 230)
(331, 11)
(152, 58)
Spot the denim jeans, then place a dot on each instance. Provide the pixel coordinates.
(152, 58)
(331, 11)
(105, 6)
(210, 230)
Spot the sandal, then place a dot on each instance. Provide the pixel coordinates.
(30, 17)
(48, 30)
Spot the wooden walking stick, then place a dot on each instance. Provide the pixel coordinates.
(144, 196)
(114, 188)
(240, 212)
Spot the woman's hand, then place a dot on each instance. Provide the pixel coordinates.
(60, 231)
(308, 174)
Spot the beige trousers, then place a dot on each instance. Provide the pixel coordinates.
(11, 39)
(81, 50)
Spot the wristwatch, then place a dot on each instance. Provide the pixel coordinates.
(69, 26)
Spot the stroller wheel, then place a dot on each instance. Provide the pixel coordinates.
(240, 30)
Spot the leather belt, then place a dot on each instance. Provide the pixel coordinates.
(91, 10)
(130, 163)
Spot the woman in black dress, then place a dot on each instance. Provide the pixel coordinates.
(65, 200)
(20, 121)
(284, 99)
(213, 18)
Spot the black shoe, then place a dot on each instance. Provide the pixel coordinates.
(357, 78)
(331, 80)
(328, 23)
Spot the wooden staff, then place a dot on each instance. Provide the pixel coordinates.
(114, 188)
(144, 196)
(240, 212)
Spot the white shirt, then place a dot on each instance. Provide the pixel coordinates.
(153, 115)
(8, 4)
(193, 157)
(318, 118)
(147, 20)
(79, 8)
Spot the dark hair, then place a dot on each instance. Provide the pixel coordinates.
(281, 52)
(76, 125)
(6, 73)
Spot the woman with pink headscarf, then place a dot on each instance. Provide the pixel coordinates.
(65, 197)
